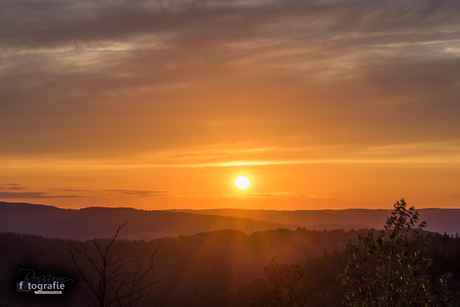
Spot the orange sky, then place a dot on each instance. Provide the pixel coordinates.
(338, 104)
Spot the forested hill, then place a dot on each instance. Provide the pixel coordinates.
(98, 222)
(219, 268)
(438, 220)
(195, 270)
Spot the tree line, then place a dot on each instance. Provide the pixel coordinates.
(402, 265)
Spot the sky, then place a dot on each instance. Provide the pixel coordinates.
(325, 104)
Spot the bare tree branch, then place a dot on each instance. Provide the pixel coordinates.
(120, 281)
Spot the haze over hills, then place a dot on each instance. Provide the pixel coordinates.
(88, 223)
(98, 222)
(438, 220)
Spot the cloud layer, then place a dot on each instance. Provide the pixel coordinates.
(157, 82)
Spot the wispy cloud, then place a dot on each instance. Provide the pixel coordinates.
(37, 195)
(252, 155)
(9, 191)
(12, 187)
(263, 195)
(31, 193)
(17, 191)
(137, 193)
(173, 84)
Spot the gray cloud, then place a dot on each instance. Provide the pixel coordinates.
(137, 193)
(12, 187)
(10, 191)
(121, 77)
(18, 191)
(287, 195)
(11, 195)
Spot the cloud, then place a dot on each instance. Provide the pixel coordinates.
(253, 154)
(15, 188)
(137, 193)
(18, 191)
(73, 190)
(264, 195)
(122, 80)
(11, 191)
(10, 195)
(284, 195)
(12, 187)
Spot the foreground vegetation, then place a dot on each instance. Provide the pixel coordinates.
(402, 265)
(394, 269)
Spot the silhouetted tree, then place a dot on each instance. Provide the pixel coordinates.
(114, 280)
(310, 283)
(283, 287)
(389, 270)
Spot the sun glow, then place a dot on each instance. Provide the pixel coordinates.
(242, 182)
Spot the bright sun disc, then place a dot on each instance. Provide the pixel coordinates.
(242, 182)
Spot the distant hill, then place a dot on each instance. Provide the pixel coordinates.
(98, 222)
(438, 220)
(88, 223)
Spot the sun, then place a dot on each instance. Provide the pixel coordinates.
(242, 182)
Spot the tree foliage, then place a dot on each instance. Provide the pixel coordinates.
(390, 270)
(310, 283)
(282, 287)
